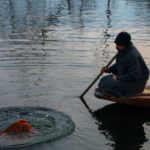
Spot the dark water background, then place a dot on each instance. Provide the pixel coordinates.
(50, 50)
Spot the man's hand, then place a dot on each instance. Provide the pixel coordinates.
(114, 77)
(104, 69)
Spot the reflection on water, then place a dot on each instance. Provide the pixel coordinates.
(106, 33)
(50, 50)
(123, 125)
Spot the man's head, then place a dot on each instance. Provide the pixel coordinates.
(123, 40)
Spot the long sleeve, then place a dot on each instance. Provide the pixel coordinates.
(133, 71)
(113, 69)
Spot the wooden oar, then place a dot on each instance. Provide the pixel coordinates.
(98, 76)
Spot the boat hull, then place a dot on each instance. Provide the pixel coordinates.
(142, 100)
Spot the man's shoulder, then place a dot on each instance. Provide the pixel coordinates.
(133, 52)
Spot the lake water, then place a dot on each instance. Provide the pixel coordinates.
(50, 50)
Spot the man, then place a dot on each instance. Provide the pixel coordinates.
(129, 74)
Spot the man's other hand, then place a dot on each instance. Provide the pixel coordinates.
(114, 77)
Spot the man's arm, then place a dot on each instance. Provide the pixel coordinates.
(113, 69)
(134, 70)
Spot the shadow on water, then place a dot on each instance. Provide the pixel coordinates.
(122, 125)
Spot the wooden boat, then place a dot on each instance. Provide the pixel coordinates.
(141, 100)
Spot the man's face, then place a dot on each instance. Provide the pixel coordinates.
(120, 48)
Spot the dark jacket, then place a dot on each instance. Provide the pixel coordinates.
(130, 66)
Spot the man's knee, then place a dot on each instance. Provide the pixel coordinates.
(104, 81)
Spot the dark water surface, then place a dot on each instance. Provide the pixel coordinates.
(50, 50)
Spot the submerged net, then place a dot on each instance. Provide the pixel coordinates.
(49, 124)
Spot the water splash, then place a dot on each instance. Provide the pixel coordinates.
(49, 124)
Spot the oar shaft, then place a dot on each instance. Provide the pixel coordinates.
(98, 76)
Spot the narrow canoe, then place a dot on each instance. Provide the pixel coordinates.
(142, 100)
